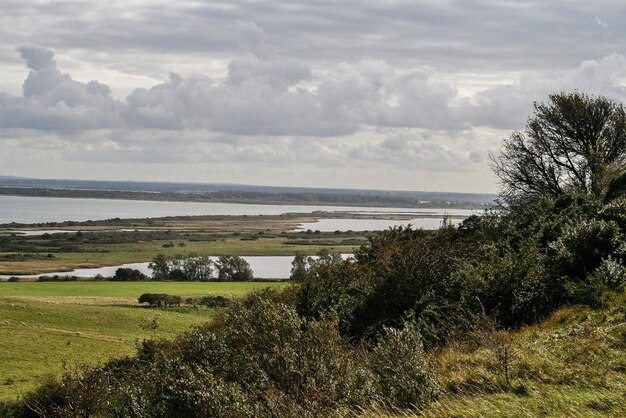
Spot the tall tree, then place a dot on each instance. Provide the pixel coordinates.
(299, 267)
(233, 268)
(573, 143)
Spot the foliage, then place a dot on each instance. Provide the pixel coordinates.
(573, 143)
(210, 301)
(582, 246)
(233, 268)
(81, 392)
(160, 299)
(362, 333)
(509, 285)
(58, 278)
(190, 268)
(399, 363)
(160, 267)
(128, 275)
(299, 267)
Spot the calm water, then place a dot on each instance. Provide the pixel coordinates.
(41, 209)
(264, 267)
(330, 225)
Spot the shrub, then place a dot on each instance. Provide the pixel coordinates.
(128, 275)
(408, 271)
(58, 278)
(160, 300)
(330, 288)
(171, 388)
(403, 374)
(582, 247)
(266, 347)
(210, 301)
(611, 273)
(510, 285)
(80, 392)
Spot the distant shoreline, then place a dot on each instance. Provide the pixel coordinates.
(246, 197)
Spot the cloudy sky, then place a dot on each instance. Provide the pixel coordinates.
(406, 95)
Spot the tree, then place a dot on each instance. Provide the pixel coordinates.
(573, 143)
(325, 257)
(233, 268)
(197, 268)
(127, 275)
(299, 267)
(160, 267)
(191, 268)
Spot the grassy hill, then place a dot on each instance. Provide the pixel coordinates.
(571, 364)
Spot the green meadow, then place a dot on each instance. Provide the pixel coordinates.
(46, 325)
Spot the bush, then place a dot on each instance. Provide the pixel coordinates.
(209, 301)
(266, 347)
(402, 371)
(582, 247)
(57, 278)
(171, 388)
(611, 273)
(128, 275)
(80, 392)
(512, 286)
(160, 300)
(409, 272)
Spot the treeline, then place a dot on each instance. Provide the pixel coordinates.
(151, 222)
(295, 198)
(192, 268)
(73, 241)
(200, 268)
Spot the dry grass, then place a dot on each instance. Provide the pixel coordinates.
(572, 364)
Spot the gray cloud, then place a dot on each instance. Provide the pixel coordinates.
(258, 97)
(472, 34)
(276, 96)
(364, 91)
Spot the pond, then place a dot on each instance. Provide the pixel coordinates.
(264, 267)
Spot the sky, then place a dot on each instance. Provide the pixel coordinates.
(400, 95)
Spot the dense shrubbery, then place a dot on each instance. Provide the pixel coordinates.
(260, 358)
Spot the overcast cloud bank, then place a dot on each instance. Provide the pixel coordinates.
(254, 105)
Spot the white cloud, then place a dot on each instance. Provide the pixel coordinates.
(362, 93)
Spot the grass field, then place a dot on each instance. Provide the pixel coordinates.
(43, 325)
